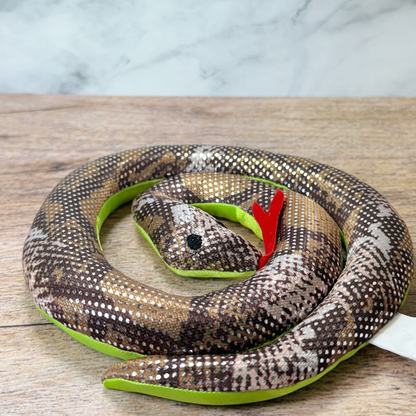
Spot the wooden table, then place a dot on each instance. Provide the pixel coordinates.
(43, 138)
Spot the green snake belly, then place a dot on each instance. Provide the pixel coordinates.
(71, 281)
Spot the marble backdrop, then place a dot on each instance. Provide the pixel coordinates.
(209, 48)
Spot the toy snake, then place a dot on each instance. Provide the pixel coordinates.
(285, 326)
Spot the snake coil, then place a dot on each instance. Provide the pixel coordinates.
(73, 285)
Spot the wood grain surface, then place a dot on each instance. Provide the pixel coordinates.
(43, 138)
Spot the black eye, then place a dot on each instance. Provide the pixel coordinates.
(194, 241)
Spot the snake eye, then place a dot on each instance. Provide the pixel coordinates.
(194, 241)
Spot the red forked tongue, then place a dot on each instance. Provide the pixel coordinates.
(268, 223)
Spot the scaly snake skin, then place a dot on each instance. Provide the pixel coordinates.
(70, 279)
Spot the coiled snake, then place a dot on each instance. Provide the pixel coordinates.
(282, 328)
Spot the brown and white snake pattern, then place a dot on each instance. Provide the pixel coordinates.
(202, 343)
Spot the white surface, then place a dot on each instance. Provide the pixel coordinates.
(398, 336)
(209, 48)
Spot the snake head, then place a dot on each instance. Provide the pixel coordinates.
(192, 242)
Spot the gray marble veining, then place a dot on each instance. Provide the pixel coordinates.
(216, 48)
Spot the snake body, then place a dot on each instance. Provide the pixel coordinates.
(71, 281)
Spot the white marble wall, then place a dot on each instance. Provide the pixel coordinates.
(209, 48)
